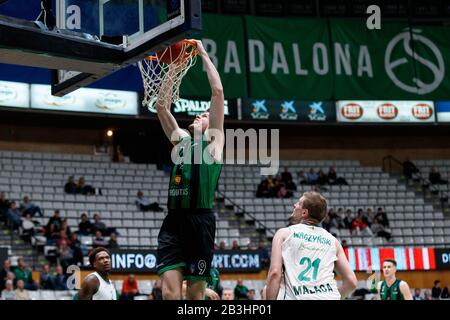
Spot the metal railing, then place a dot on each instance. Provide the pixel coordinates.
(245, 212)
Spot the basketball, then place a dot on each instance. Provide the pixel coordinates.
(170, 54)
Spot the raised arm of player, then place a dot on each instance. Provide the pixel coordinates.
(406, 292)
(216, 110)
(276, 265)
(88, 288)
(163, 103)
(343, 268)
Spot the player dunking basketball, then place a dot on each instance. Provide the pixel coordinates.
(97, 286)
(186, 238)
(304, 257)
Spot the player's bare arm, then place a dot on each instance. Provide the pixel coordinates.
(343, 268)
(216, 110)
(276, 264)
(406, 292)
(88, 288)
(163, 104)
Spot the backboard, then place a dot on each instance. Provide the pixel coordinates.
(94, 38)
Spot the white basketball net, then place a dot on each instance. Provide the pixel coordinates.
(155, 73)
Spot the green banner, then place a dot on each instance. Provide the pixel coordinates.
(320, 59)
(289, 58)
(223, 38)
(396, 62)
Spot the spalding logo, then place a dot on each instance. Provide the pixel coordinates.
(422, 111)
(387, 111)
(352, 111)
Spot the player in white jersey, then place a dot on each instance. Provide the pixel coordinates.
(305, 257)
(97, 286)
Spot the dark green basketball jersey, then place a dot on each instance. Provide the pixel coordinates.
(391, 293)
(193, 183)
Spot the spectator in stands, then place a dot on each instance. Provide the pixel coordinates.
(8, 293)
(99, 225)
(264, 254)
(77, 249)
(222, 245)
(263, 190)
(112, 242)
(65, 255)
(410, 171)
(240, 291)
(227, 294)
(98, 240)
(334, 222)
(4, 206)
(435, 177)
(427, 295)
(359, 227)
(46, 279)
(444, 294)
(144, 204)
(322, 178)
(4, 273)
(417, 295)
(384, 219)
(22, 272)
(302, 178)
(348, 219)
(71, 186)
(251, 294)
(312, 177)
(130, 288)
(436, 290)
(59, 279)
(13, 216)
(326, 223)
(333, 179)
(235, 245)
(286, 176)
(280, 190)
(291, 186)
(379, 230)
(340, 216)
(85, 227)
(62, 237)
(21, 292)
(368, 217)
(157, 291)
(65, 227)
(28, 207)
(53, 226)
(83, 188)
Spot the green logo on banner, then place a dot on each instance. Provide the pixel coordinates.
(436, 67)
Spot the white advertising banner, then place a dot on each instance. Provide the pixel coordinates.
(14, 94)
(385, 111)
(86, 100)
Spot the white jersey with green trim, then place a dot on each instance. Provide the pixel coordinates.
(105, 291)
(309, 254)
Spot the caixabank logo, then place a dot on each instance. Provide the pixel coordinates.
(288, 111)
(316, 112)
(259, 110)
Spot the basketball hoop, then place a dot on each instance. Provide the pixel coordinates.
(167, 67)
